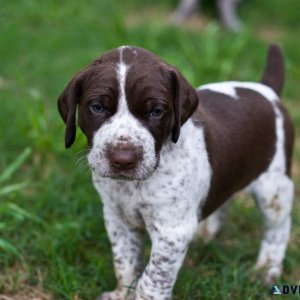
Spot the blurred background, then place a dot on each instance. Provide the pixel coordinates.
(52, 241)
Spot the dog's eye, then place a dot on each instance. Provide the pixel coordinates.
(156, 113)
(97, 108)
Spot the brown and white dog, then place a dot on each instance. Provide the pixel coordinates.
(165, 156)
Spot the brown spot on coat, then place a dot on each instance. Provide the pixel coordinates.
(240, 138)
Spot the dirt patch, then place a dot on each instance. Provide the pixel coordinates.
(14, 286)
(3, 83)
(270, 34)
(163, 18)
(27, 292)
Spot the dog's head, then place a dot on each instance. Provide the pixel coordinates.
(129, 103)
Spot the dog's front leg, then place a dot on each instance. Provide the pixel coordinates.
(169, 246)
(127, 247)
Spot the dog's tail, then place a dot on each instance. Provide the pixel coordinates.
(273, 75)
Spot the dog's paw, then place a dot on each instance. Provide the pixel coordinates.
(267, 274)
(272, 275)
(116, 295)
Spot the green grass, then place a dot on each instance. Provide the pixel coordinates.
(62, 245)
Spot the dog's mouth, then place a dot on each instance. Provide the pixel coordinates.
(125, 177)
(140, 172)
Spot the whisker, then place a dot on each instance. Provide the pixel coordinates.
(83, 166)
(81, 152)
(82, 171)
(81, 162)
(81, 159)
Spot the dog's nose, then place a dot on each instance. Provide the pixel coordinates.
(124, 158)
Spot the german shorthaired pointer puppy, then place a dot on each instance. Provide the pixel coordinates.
(165, 156)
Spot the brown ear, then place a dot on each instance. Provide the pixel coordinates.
(67, 103)
(185, 102)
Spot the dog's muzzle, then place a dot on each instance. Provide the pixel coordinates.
(124, 157)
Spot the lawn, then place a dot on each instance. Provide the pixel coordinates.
(52, 239)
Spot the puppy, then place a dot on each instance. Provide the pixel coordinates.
(165, 156)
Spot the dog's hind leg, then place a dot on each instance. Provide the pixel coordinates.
(274, 193)
(209, 227)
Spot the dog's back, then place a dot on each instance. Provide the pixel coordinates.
(244, 124)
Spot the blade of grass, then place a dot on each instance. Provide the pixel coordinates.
(13, 167)
(9, 248)
(21, 214)
(12, 188)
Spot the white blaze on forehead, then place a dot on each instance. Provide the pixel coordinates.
(122, 71)
(229, 88)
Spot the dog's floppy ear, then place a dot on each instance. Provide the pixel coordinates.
(185, 101)
(67, 103)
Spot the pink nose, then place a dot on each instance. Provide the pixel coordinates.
(123, 158)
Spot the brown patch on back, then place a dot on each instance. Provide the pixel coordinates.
(240, 137)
